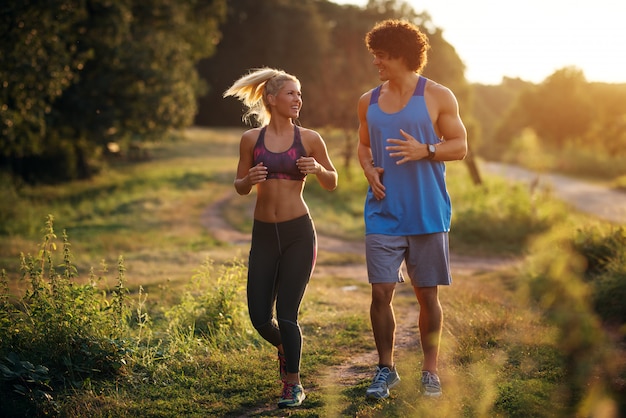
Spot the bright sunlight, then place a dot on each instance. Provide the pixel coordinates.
(532, 39)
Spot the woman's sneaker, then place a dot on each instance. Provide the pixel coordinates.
(431, 385)
(384, 380)
(293, 395)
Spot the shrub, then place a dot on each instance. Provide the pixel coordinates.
(60, 333)
(605, 255)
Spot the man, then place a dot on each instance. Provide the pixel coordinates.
(408, 127)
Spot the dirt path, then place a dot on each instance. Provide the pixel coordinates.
(597, 200)
(213, 220)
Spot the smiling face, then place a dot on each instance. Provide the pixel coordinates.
(288, 101)
(388, 67)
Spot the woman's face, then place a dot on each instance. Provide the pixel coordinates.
(288, 100)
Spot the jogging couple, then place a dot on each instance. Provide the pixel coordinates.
(408, 127)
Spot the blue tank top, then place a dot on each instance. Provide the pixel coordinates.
(280, 165)
(416, 201)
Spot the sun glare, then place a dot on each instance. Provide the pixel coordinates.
(531, 39)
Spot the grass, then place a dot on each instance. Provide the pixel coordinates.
(519, 341)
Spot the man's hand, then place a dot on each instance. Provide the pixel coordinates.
(408, 149)
(374, 178)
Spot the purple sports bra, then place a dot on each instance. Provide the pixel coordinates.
(280, 165)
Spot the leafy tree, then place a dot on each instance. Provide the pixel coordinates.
(559, 110)
(608, 128)
(289, 35)
(40, 59)
(128, 73)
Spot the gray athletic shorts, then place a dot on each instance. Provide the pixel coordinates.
(427, 259)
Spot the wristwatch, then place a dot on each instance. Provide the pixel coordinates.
(431, 151)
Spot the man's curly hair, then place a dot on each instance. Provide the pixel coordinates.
(400, 39)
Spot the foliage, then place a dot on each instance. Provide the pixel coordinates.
(513, 213)
(68, 330)
(605, 257)
(578, 126)
(78, 75)
(40, 59)
(489, 105)
(217, 313)
(554, 280)
(62, 336)
(559, 108)
(29, 382)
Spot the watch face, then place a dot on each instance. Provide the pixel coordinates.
(431, 148)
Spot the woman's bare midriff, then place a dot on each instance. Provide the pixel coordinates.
(279, 200)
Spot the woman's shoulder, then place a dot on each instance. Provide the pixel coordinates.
(309, 134)
(251, 134)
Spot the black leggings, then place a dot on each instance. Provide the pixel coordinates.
(282, 258)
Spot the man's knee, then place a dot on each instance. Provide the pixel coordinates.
(427, 296)
(382, 293)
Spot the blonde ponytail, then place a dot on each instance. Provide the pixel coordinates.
(252, 90)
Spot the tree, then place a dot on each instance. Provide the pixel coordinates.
(284, 34)
(131, 75)
(39, 60)
(560, 108)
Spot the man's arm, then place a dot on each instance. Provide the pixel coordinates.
(364, 151)
(448, 126)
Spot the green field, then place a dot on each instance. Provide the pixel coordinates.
(141, 311)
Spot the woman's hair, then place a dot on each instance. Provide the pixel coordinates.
(252, 90)
(400, 39)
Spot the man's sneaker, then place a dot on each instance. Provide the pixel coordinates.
(293, 395)
(431, 385)
(282, 366)
(384, 380)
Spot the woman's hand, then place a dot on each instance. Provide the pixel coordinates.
(257, 174)
(308, 165)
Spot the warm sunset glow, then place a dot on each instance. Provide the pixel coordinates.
(531, 39)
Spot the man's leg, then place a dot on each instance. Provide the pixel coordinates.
(430, 325)
(383, 321)
(384, 327)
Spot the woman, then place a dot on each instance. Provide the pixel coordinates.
(277, 157)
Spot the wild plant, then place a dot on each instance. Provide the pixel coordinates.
(212, 306)
(60, 333)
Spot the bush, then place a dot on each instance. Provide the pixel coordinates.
(605, 255)
(60, 333)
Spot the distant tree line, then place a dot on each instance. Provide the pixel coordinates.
(78, 75)
(565, 110)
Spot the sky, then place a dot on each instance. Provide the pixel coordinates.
(531, 39)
